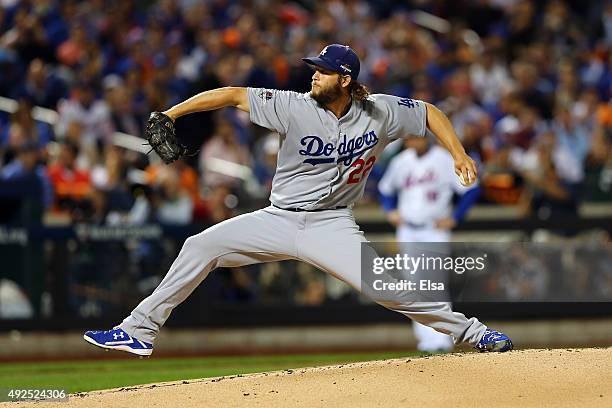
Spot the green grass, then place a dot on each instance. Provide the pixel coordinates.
(76, 376)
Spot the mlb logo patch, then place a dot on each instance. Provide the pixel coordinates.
(265, 95)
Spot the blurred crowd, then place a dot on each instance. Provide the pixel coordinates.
(527, 85)
(537, 272)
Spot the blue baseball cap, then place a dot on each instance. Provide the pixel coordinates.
(338, 58)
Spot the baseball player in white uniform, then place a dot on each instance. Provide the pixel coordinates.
(330, 139)
(416, 192)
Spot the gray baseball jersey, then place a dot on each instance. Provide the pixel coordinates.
(323, 161)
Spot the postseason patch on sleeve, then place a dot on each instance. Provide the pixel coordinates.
(265, 95)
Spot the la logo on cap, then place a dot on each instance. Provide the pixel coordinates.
(324, 51)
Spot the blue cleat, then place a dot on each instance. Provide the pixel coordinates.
(494, 341)
(117, 339)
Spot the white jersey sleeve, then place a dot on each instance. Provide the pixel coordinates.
(271, 108)
(407, 117)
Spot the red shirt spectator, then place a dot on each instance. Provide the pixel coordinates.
(70, 183)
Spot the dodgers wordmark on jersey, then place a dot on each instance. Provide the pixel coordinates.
(424, 185)
(323, 161)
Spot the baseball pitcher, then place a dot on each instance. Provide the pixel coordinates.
(330, 139)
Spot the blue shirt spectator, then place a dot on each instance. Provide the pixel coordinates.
(25, 166)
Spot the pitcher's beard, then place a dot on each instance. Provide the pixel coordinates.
(327, 96)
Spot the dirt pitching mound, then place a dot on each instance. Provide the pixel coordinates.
(527, 378)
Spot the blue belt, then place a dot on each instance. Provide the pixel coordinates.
(304, 210)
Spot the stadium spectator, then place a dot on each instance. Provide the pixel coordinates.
(174, 205)
(71, 184)
(531, 88)
(553, 178)
(26, 167)
(489, 77)
(584, 109)
(573, 136)
(121, 115)
(224, 146)
(266, 152)
(460, 106)
(92, 113)
(188, 177)
(42, 85)
(109, 179)
(27, 36)
(23, 125)
(530, 125)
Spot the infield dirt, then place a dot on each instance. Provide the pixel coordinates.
(525, 378)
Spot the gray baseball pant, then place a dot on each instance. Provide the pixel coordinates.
(329, 240)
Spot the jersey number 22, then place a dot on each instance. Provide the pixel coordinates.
(361, 170)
